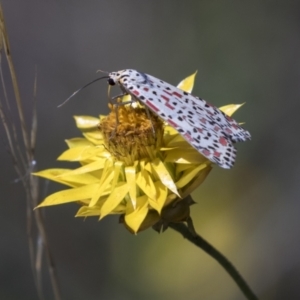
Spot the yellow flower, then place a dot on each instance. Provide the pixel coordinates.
(132, 164)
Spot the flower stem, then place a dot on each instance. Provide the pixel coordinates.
(189, 233)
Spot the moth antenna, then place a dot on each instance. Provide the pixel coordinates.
(102, 71)
(76, 92)
(108, 95)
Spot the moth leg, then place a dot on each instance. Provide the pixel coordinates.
(121, 104)
(147, 112)
(111, 100)
(116, 106)
(149, 117)
(116, 97)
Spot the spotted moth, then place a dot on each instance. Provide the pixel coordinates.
(204, 126)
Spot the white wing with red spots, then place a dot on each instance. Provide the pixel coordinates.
(209, 142)
(203, 125)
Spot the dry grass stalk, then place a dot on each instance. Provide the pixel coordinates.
(22, 154)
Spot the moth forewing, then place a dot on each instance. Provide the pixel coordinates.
(201, 124)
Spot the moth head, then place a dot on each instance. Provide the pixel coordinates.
(111, 81)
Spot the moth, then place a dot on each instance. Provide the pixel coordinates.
(202, 125)
(209, 130)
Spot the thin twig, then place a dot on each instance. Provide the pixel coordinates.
(34, 187)
(50, 261)
(38, 266)
(30, 183)
(33, 131)
(190, 234)
(11, 123)
(15, 84)
(3, 84)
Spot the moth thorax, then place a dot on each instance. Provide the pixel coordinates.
(131, 133)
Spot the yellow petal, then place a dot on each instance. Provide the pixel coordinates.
(78, 142)
(120, 208)
(169, 134)
(73, 154)
(105, 182)
(189, 175)
(188, 189)
(183, 167)
(118, 173)
(79, 180)
(144, 181)
(170, 199)
(230, 109)
(131, 178)
(94, 137)
(51, 174)
(187, 84)
(86, 122)
(114, 199)
(126, 98)
(70, 180)
(164, 175)
(162, 193)
(134, 218)
(187, 156)
(85, 211)
(178, 141)
(93, 166)
(151, 218)
(70, 195)
(147, 166)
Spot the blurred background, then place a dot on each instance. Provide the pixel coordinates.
(244, 51)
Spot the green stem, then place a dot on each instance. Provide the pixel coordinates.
(190, 234)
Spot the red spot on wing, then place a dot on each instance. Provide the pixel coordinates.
(227, 130)
(169, 105)
(167, 92)
(223, 141)
(206, 152)
(202, 120)
(188, 137)
(172, 123)
(217, 154)
(135, 92)
(151, 106)
(217, 128)
(145, 89)
(167, 102)
(177, 94)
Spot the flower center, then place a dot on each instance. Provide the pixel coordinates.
(131, 133)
